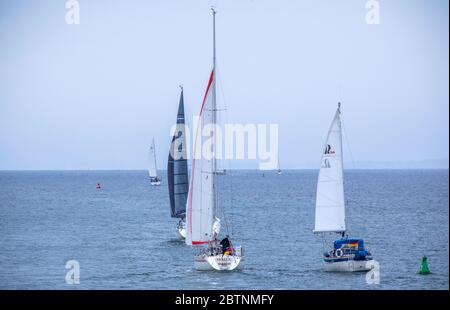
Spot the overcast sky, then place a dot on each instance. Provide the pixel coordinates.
(91, 96)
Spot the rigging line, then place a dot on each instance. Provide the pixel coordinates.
(222, 210)
(192, 135)
(323, 243)
(353, 166)
(225, 218)
(228, 164)
(348, 145)
(225, 107)
(231, 194)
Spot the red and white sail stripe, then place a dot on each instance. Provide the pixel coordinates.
(200, 207)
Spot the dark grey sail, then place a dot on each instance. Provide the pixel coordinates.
(177, 168)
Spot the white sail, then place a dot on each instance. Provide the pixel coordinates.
(200, 207)
(152, 161)
(330, 204)
(278, 164)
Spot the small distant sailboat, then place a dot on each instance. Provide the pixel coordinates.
(153, 174)
(202, 224)
(177, 171)
(348, 254)
(279, 172)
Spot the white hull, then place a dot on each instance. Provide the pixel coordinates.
(158, 183)
(203, 262)
(348, 266)
(225, 262)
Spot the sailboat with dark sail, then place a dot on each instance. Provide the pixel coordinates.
(177, 171)
(348, 254)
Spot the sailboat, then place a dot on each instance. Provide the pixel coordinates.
(202, 224)
(154, 180)
(279, 172)
(177, 171)
(348, 254)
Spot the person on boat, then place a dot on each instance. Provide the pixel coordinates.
(215, 247)
(226, 245)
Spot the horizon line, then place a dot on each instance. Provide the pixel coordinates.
(248, 169)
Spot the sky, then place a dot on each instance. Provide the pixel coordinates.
(92, 96)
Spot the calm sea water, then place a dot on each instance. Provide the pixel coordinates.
(123, 236)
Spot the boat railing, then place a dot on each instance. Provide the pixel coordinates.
(237, 250)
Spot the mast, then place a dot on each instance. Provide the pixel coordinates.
(214, 116)
(154, 156)
(278, 162)
(214, 42)
(342, 166)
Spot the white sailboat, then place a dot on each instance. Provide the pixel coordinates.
(177, 171)
(279, 172)
(152, 172)
(348, 254)
(202, 224)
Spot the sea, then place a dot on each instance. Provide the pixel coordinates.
(56, 223)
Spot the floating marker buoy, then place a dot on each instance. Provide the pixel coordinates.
(424, 266)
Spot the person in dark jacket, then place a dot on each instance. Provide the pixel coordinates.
(225, 243)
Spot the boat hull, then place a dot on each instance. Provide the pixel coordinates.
(157, 183)
(203, 262)
(347, 265)
(226, 262)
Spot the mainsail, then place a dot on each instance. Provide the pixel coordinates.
(152, 161)
(177, 168)
(330, 204)
(201, 202)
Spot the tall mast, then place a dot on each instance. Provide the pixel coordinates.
(214, 112)
(342, 163)
(154, 154)
(214, 37)
(214, 104)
